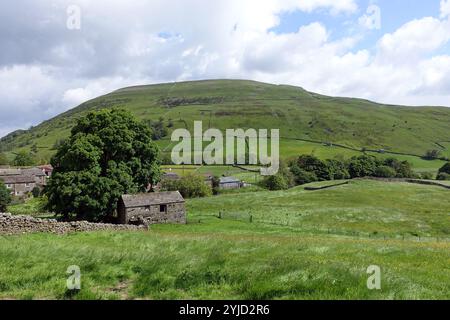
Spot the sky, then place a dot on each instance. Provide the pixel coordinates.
(56, 54)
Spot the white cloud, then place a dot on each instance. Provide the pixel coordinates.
(445, 8)
(414, 39)
(45, 68)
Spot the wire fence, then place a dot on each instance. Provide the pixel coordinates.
(248, 217)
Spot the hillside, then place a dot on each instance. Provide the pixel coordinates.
(299, 114)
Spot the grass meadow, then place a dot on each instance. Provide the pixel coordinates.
(297, 244)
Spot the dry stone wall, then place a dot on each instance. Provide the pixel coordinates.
(10, 225)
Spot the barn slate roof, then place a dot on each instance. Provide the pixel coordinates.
(17, 179)
(225, 180)
(33, 172)
(154, 198)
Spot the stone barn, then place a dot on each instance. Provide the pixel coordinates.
(152, 208)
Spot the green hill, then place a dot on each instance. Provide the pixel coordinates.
(307, 121)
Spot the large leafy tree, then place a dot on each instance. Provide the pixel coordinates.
(109, 153)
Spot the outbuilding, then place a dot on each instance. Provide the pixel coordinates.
(152, 208)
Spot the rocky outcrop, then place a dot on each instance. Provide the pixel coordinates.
(10, 225)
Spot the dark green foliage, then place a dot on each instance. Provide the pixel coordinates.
(159, 131)
(337, 169)
(23, 159)
(443, 176)
(58, 143)
(432, 154)
(190, 186)
(309, 169)
(303, 176)
(5, 197)
(445, 168)
(363, 166)
(109, 153)
(403, 169)
(215, 185)
(385, 172)
(276, 182)
(36, 192)
(311, 163)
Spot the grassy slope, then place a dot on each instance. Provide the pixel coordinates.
(224, 258)
(247, 104)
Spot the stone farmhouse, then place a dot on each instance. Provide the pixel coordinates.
(152, 208)
(22, 181)
(19, 185)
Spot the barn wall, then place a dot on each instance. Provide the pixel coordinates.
(176, 213)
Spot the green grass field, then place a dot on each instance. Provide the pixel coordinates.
(300, 245)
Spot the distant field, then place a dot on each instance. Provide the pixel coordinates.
(299, 245)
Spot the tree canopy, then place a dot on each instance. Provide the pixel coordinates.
(109, 153)
(23, 159)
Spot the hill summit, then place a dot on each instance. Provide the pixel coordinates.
(223, 104)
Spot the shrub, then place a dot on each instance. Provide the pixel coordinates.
(432, 154)
(215, 185)
(426, 176)
(385, 172)
(443, 176)
(402, 168)
(5, 197)
(337, 169)
(36, 192)
(363, 166)
(190, 186)
(302, 176)
(23, 159)
(276, 182)
(445, 168)
(313, 165)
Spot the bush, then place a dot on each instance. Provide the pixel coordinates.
(363, 166)
(432, 154)
(445, 168)
(385, 172)
(426, 176)
(314, 165)
(23, 159)
(276, 182)
(215, 185)
(5, 197)
(337, 169)
(36, 192)
(190, 186)
(443, 176)
(303, 176)
(402, 168)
